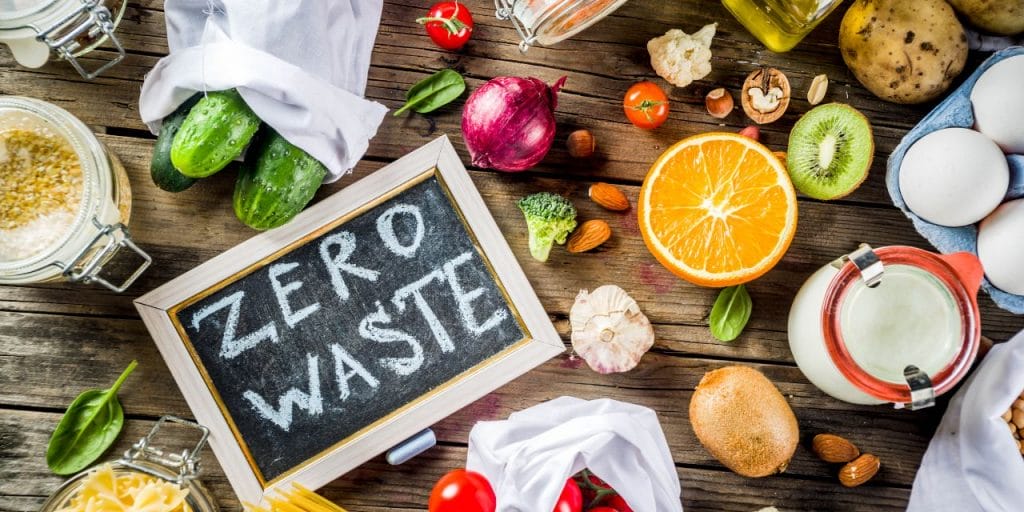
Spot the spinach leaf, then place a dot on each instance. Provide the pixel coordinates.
(434, 92)
(730, 313)
(87, 429)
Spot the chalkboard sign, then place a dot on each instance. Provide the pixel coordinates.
(382, 309)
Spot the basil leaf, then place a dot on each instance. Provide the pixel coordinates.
(87, 429)
(434, 92)
(730, 313)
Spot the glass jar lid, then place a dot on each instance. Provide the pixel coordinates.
(35, 30)
(546, 22)
(901, 323)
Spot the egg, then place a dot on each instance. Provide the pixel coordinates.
(1001, 247)
(998, 100)
(953, 177)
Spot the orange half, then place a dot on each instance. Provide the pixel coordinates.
(717, 209)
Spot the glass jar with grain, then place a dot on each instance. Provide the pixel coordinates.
(546, 22)
(65, 201)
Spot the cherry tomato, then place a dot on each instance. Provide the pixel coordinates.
(449, 24)
(571, 499)
(646, 105)
(615, 503)
(462, 491)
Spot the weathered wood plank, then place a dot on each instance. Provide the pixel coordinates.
(40, 370)
(183, 230)
(600, 67)
(377, 486)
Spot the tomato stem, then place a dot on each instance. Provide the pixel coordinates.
(453, 25)
(646, 106)
(600, 493)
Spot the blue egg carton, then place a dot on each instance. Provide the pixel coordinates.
(956, 111)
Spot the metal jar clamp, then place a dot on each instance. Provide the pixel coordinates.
(86, 266)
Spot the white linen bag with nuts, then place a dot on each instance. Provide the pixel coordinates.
(974, 462)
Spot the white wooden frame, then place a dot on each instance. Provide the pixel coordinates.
(542, 341)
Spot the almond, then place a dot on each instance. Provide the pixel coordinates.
(859, 470)
(835, 449)
(609, 197)
(590, 234)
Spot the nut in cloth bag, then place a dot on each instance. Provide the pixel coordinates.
(973, 463)
(528, 457)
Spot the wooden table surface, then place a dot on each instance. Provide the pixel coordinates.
(57, 340)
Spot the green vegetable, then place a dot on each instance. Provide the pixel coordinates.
(730, 313)
(275, 183)
(87, 429)
(434, 92)
(549, 218)
(215, 132)
(160, 167)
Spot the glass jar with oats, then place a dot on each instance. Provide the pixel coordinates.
(65, 201)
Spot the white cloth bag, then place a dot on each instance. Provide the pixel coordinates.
(528, 457)
(972, 463)
(301, 65)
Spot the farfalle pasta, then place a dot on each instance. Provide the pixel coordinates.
(106, 490)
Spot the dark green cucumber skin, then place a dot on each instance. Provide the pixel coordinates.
(215, 132)
(275, 183)
(161, 169)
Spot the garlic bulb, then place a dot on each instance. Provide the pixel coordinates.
(609, 331)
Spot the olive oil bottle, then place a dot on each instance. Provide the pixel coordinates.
(780, 24)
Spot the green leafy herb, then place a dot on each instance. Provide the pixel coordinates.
(730, 313)
(87, 429)
(434, 92)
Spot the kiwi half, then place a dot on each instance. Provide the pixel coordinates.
(830, 151)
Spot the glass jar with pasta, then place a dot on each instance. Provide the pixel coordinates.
(147, 478)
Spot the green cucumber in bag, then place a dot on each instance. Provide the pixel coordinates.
(161, 169)
(215, 132)
(276, 182)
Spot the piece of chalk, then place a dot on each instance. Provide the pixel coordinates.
(411, 447)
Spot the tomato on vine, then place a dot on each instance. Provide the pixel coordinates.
(449, 24)
(571, 499)
(462, 491)
(646, 105)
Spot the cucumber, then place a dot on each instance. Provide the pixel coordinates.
(275, 183)
(215, 132)
(161, 169)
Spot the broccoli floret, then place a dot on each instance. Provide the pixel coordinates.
(549, 218)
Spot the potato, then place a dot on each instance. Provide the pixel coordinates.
(903, 51)
(1004, 17)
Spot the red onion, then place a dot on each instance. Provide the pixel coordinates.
(509, 122)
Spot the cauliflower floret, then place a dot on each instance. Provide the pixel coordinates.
(681, 58)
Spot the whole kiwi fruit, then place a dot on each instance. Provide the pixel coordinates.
(743, 421)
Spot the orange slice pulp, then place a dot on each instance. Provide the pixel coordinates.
(717, 209)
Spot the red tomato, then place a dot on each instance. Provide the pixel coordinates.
(615, 503)
(646, 105)
(603, 509)
(449, 24)
(462, 491)
(571, 499)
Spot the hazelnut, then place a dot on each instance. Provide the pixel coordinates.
(765, 95)
(719, 103)
(581, 144)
